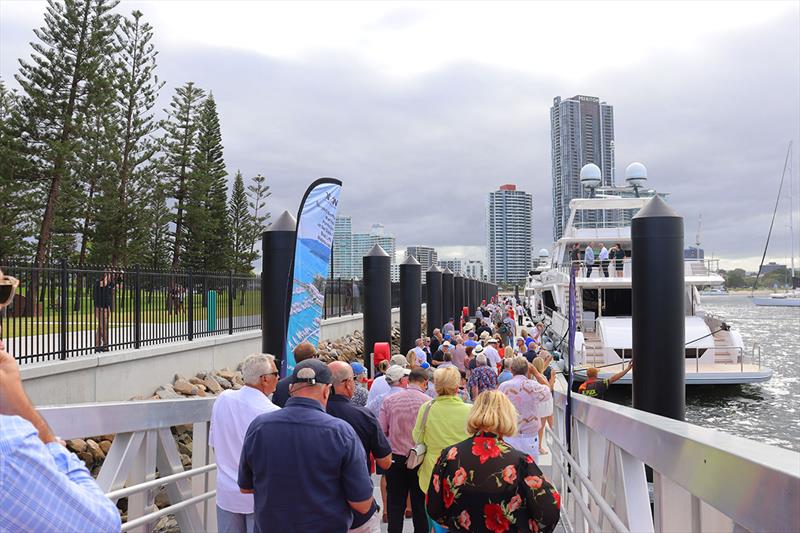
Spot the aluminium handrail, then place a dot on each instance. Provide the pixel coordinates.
(133, 489)
(576, 468)
(708, 463)
(142, 520)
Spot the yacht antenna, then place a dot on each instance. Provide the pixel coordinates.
(772, 223)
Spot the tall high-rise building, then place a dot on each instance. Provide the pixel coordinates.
(509, 220)
(363, 242)
(455, 265)
(474, 269)
(426, 255)
(350, 248)
(581, 132)
(342, 254)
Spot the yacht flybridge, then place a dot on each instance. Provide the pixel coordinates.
(715, 352)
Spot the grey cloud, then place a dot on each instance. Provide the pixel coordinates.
(420, 155)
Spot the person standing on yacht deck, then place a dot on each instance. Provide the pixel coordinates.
(597, 388)
(604, 259)
(588, 258)
(619, 258)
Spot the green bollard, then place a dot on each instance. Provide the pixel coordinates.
(212, 310)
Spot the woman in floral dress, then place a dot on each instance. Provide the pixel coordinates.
(484, 485)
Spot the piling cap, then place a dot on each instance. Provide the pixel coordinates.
(285, 222)
(447, 271)
(656, 208)
(410, 260)
(377, 251)
(434, 268)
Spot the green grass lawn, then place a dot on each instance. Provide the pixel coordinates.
(153, 312)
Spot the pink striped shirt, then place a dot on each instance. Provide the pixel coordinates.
(398, 416)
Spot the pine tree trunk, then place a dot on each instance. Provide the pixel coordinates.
(66, 130)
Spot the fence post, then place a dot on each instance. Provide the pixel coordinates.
(230, 302)
(190, 308)
(137, 308)
(63, 309)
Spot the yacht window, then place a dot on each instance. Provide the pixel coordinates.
(549, 301)
(617, 302)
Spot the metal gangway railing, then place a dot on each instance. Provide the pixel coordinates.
(702, 479)
(143, 448)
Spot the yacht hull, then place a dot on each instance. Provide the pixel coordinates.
(777, 302)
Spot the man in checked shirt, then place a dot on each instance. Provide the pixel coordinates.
(43, 487)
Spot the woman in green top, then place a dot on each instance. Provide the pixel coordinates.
(446, 424)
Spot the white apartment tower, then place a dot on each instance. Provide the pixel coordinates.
(509, 221)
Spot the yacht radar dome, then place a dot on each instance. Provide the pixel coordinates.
(544, 253)
(636, 176)
(590, 177)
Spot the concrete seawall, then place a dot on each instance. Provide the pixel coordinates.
(120, 375)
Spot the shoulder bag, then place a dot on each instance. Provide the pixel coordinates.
(417, 454)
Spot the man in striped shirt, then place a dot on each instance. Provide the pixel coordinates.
(398, 415)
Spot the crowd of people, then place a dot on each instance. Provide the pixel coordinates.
(453, 429)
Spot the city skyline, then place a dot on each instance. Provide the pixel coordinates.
(419, 134)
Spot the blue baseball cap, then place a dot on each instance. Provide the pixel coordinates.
(425, 365)
(358, 368)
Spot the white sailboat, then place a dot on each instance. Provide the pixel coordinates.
(715, 352)
(789, 298)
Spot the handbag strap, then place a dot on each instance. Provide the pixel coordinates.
(425, 421)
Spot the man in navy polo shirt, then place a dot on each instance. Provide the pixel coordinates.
(306, 469)
(368, 430)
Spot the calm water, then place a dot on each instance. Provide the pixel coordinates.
(767, 412)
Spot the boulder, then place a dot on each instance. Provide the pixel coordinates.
(105, 445)
(185, 448)
(77, 445)
(197, 381)
(162, 500)
(184, 387)
(212, 385)
(93, 448)
(224, 383)
(227, 374)
(186, 461)
(87, 459)
(167, 392)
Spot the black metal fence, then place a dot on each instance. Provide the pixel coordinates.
(62, 311)
(343, 296)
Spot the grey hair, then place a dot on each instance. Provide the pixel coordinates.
(519, 366)
(480, 359)
(255, 366)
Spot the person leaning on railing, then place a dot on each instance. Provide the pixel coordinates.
(43, 487)
(482, 484)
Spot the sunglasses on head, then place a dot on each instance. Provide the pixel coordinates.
(8, 287)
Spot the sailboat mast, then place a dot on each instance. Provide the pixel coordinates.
(774, 212)
(791, 214)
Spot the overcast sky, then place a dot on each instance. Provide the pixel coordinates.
(423, 108)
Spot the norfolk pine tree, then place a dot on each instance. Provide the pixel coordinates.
(241, 225)
(136, 86)
(258, 193)
(72, 43)
(207, 237)
(178, 143)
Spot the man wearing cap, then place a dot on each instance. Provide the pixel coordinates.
(492, 355)
(360, 376)
(438, 357)
(379, 384)
(304, 350)
(306, 469)
(397, 379)
(366, 427)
